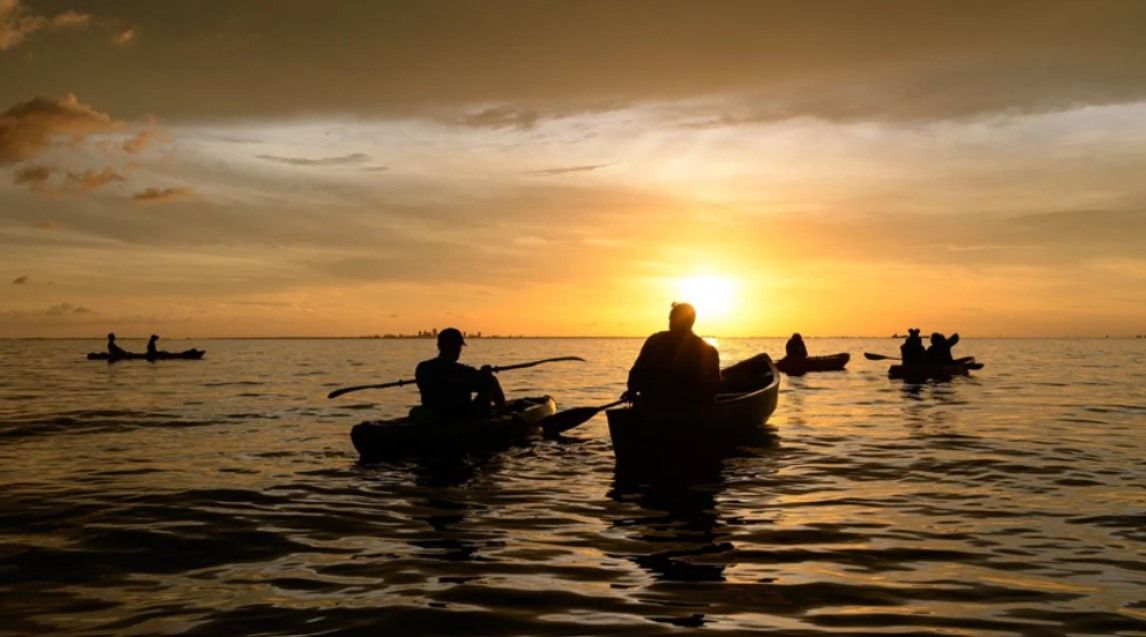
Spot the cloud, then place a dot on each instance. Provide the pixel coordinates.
(547, 172)
(33, 177)
(502, 117)
(93, 179)
(341, 160)
(62, 309)
(161, 195)
(71, 20)
(17, 23)
(138, 143)
(29, 127)
(123, 38)
(20, 280)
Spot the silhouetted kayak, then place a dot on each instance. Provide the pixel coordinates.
(407, 437)
(737, 417)
(830, 363)
(932, 371)
(188, 355)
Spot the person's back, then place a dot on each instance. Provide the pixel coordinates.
(795, 348)
(940, 350)
(446, 385)
(676, 368)
(113, 350)
(912, 351)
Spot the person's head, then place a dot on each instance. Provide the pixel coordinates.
(111, 336)
(681, 317)
(797, 337)
(154, 337)
(450, 343)
(913, 332)
(937, 338)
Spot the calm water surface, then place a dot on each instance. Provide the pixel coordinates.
(223, 497)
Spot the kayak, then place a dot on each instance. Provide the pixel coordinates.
(752, 388)
(932, 371)
(187, 355)
(797, 366)
(410, 436)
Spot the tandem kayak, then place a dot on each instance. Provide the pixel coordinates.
(186, 355)
(408, 436)
(736, 417)
(932, 371)
(798, 366)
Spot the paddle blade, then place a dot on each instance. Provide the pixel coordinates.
(568, 419)
(878, 357)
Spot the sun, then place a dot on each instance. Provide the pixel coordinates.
(712, 296)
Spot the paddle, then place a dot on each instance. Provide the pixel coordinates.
(570, 418)
(879, 357)
(398, 383)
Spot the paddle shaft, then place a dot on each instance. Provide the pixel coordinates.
(398, 383)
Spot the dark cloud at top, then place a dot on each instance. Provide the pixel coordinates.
(342, 160)
(509, 63)
(18, 23)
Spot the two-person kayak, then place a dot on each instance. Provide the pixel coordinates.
(189, 355)
(933, 371)
(752, 388)
(409, 436)
(800, 366)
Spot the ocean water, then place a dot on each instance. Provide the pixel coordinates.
(223, 497)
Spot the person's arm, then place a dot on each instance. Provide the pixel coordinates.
(712, 372)
(637, 372)
(954, 339)
(496, 393)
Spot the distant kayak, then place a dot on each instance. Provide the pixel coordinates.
(187, 355)
(798, 366)
(932, 371)
(399, 437)
(669, 437)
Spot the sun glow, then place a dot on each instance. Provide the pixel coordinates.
(712, 296)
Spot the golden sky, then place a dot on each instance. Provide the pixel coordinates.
(571, 168)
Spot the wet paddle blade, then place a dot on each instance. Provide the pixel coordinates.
(879, 357)
(568, 419)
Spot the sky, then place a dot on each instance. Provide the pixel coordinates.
(225, 168)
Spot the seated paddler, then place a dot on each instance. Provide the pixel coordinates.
(451, 390)
(795, 349)
(675, 369)
(113, 350)
(940, 349)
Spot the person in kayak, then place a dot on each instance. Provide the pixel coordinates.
(447, 385)
(940, 350)
(152, 350)
(113, 350)
(912, 351)
(795, 348)
(676, 368)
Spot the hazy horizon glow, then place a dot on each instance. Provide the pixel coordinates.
(839, 195)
